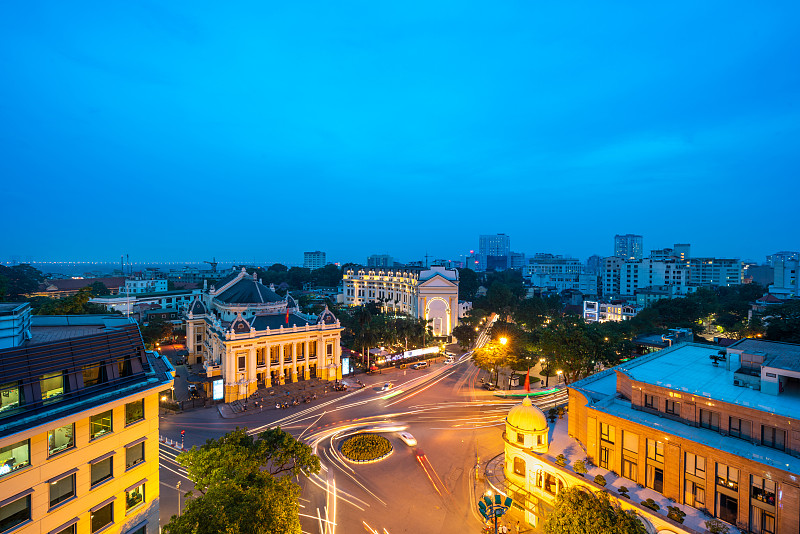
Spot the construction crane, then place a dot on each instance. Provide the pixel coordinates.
(213, 264)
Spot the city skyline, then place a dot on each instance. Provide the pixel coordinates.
(128, 128)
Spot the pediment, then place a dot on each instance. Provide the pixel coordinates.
(438, 281)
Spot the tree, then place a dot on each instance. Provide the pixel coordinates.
(99, 289)
(19, 280)
(77, 304)
(579, 512)
(468, 284)
(245, 484)
(491, 358)
(783, 322)
(465, 334)
(156, 331)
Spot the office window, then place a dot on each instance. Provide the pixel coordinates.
(102, 517)
(762, 489)
(761, 521)
(15, 513)
(134, 497)
(694, 494)
(15, 456)
(739, 428)
(607, 432)
(695, 465)
(100, 424)
(10, 397)
(709, 419)
(124, 367)
(773, 437)
(60, 439)
(134, 455)
(651, 401)
(62, 489)
(72, 529)
(520, 438)
(519, 466)
(134, 411)
(671, 407)
(52, 385)
(92, 374)
(655, 450)
(102, 471)
(728, 477)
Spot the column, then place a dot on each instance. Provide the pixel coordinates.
(294, 361)
(337, 356)
(251, 371)
(268, 360)
(306, 371)
(281, 376)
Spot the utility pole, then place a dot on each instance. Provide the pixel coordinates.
(178, 487)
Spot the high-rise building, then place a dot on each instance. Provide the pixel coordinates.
(715, 271)
(628, 246)
(79, 441)
(314, 260)
(380, 260)
(594, 265)
(682, 250)
(494, 245)
(784, 255)
(786, 279)
(621, 277)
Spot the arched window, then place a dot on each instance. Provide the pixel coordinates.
(519, 466)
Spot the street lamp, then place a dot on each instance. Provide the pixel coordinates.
(560, 373)
(503, 341)
(547, 374)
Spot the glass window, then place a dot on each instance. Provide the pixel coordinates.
(242, 363)
(102, 471)
(52, 385)
(124, 367)
(630, 441)
(520, 438)
(709, 419)
(91, 375)
(62, 489)
(655, 450)
(15, 456)
(762, 489)
(607, 432)
(134, 411)
(695, 465)
(739, 428)
(655, 478)
(134, 497)
(10, 397)
(519, 466)
(650, 401)
(102, 517)
(15, 513)
(672, 407)
(551, 484)
(695, 494)
(727, 508)
(762, 522)
(72, 529)
(773, 437)
(134, 455)
(605, 458)
(728, 477)
(629, 469)
(60, 439)
(100, 424)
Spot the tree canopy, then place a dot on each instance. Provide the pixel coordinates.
(245, 484)
(580, 512)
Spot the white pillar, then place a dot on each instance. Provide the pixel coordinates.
(268, 360)
(281, 378)
(293, 348)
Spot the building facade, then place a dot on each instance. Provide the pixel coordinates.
(15, 324)
(137, 285)
(786, 279)
(494, 245)
(625, 277)
(79, 443)
(380, 260)
(247, 334)
(707, 429)
(628, 246)
(600, 312)
(314, 260)
(715, 271)
(437, 299)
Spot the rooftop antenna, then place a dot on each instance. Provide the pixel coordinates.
(426, 259)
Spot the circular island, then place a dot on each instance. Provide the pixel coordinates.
(366, 448)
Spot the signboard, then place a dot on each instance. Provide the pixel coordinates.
(345, 365)
(412, 353)
(217, 391)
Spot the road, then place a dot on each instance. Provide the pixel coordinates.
(427, 488)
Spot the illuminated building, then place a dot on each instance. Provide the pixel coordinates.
(716, 271)
(628, 246)
(314, 260)
(244, 332)
(79, 428)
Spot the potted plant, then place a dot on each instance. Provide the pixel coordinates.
(676, 514)
(623, 492)
(715, 526)
(580, 467)
(600, 479)
(650, 503)
(561, 460)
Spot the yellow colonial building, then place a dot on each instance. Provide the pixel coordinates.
(79, 428)
(247, 334)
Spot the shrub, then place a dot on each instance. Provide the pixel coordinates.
(715, 526)
(366, 447)
(580, 467)
(552, 414)
(561, 460)
(600, 479)
(623, 491)
(560, 412)
(650, 503)
(676, 514)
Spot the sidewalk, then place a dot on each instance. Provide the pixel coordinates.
(266, 398)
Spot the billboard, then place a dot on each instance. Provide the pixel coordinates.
(217, 391)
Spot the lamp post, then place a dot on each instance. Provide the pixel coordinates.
(178, 487)
(560, 373)
(492, 509)
(547, 374)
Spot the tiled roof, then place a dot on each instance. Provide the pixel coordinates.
(248, 291)
(262, 322)
(70, 284)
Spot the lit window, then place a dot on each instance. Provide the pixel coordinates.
(52, 385)
(15, 456)
(134, 497)
(100, 424)
(134, 411)
(60, 439)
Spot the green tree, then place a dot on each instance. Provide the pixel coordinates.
(465, 334)
(783, 322)
(99, 289)
(17, 281)
(468, 284)
(579, 512)
(77, 304)
(491, 357)
(245, 484)
(156, 331)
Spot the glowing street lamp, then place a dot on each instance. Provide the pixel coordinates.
(560, 373)
(503, 341)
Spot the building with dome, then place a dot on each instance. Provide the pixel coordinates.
(244, 332)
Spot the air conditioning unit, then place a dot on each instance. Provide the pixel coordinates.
(737, 382)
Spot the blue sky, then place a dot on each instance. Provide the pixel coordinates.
(185, 130)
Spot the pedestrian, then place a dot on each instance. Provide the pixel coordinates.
(517, 527)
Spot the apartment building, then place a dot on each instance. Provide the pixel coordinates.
(628, 246)
(786, 279)
(396, 289)
(79, 428)
(710, 430)
(314, 260)
(715, 271)
(625, 277)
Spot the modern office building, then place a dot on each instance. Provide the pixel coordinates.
(494, 245)
(708, 429)
(380, 260)
(314, 260)
(783, 255)
(628, 246)
(786, 279)
(715, 271)
(137, 285)
(247, 334)
(79, 428)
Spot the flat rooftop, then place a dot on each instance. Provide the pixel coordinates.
(687, 368)
(51, 328)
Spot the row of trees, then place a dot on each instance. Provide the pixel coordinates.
(365, 327)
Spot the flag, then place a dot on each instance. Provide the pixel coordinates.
(528, 381)
(287, 315)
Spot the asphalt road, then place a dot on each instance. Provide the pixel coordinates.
(426, 488)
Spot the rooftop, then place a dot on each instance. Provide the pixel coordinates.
(51, 328)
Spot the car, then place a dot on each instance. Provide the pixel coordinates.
(420, 365)
(192, 390)
(450, 360)
(489, 386)
(407, 438)
(179, 361)
(387, 386)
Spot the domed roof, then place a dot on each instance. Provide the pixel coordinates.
(527, 417)
(240, 325)
(197, 308)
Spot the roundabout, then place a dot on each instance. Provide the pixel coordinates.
(366, 448)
